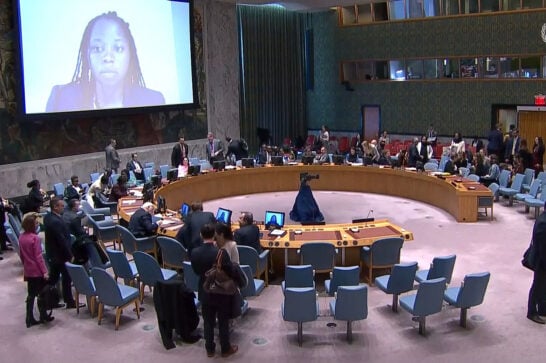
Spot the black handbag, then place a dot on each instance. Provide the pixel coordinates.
(530, 257)
(217, 281)
(49, 297)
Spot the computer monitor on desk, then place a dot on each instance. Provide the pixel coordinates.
(338, 159)
(277, 160)
(172, 175)
(194, 170)
(247, 163)
(219, 165)
(184, 210)
(223, 215)
(274, 219)
(307, 159)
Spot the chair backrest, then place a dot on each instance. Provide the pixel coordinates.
(542, 177)
(250, 288)
(300, 304)
(163, 170)
(534, 188)
(149, 164)
(401, 278)
(148, 268)
(494, 187)
(504, 178)
(430, 166)
(107, 288)
(15, 225)
(95, 259)
(320, 255)
(442, 266)
(248, 256)
(58, 188)
(172, 251)
(473, 289)
(386, 251)
(127, 239)
(83, 284)
(443, 162)
(464, 171)
(529, 175)
(344, 276)
(113, 179)
(298, 276)
(148, 173)
(473, 177)
(120, 264)
(430, 297)
(191, 279)
(94, 177)
(517, 182)
(194, 161)
(351, 303)
(13, 239)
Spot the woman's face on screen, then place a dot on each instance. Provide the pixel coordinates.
(109, 53)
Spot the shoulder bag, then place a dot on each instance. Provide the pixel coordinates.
(530, 257)
(217, 281)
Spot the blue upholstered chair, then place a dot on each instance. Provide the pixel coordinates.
(191, 279)
(464, 172)
(473, 177)
(298, 276)
(427, 301)
(164, 169)
(99, 214)
(149, 164)
(58, 189)
(536, 203)
(172, 252)
(148, 172)
(494, 188)
(254, 286)
(431, 166)
(471, 293)
(13, 240)
(15, 224)
(94, 177)
(300, 305)
(350, 304)
(529, 175)
(440, 267)
(95, 259)
(342, 276)
(257, 262)
(83, 284)
(113, 294)
(383, 253)
(504, 178)
(532, 192)
(399, 281)
(122, 267)
(104, 231)
(514, 188)
(320, 255)
(131, 244)
(150, 272)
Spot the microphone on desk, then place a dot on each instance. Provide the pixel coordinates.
(368, 219)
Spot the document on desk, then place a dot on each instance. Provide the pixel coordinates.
(277, 233)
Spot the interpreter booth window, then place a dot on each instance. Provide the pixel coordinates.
(490, 67)
(381, 70)
(532, 4)
(509, 67)
(432, 8)
(364, 70)
(469, 68)
(364, 14)
(543, 67)
(488, 6)
(530, 67)
(380, 11)
(451, 68)
(349, 71)
(348, 15)
(432, 68)
(450, 7)
(396, 10)
(469, 6)
(414, 69)
(397, 70)
(414, 8)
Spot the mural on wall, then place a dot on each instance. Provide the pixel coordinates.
(24, 140)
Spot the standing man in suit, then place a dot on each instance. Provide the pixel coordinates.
(213, 305)
(248, 234)
(495, 142)
(512, 147)
(141, 224)
(180, 151)
(237, 148)
(135, 166)
(190, 234)
(58, 249)
(215, 149)
(112, 157)
(536, 304)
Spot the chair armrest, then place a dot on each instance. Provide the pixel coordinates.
(104, 211)
(107, 224)
(366, 249)
(99, 217)
(263, 255)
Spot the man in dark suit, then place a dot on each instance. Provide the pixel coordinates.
(213, 305)
(413, 153)
(248, 234)
(237, 148)
(180, 151)
(141, 224)
(136, 167)
(58, 249)
(495, 142)
(536, 304)
(74, 190)
(190, 234)
(214, 148)
(512, 147)
(112, 157)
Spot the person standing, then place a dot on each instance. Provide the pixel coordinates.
(34, 269)
(4, 207)
(536, 304)
(237, 149)
(214, 306)
(112, 156)
(325, 136)
(512, 147)
(538, 155)
(190, 234)
(248, 233)
(180, 151)
(495, 142)
(214, 149)
(58, 249)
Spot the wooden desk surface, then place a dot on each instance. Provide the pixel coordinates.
(457, 198)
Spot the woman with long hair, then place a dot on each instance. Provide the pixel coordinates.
(224, 239)
(34, 269)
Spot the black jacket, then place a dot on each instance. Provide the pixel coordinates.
(248, 235)
(190, 234)
(57, 239)
(141, 224)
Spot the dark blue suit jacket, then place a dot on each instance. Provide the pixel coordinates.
(248, 235)
(141, 224)
(57, 239)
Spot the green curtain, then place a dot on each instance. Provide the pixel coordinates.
(272, 94)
